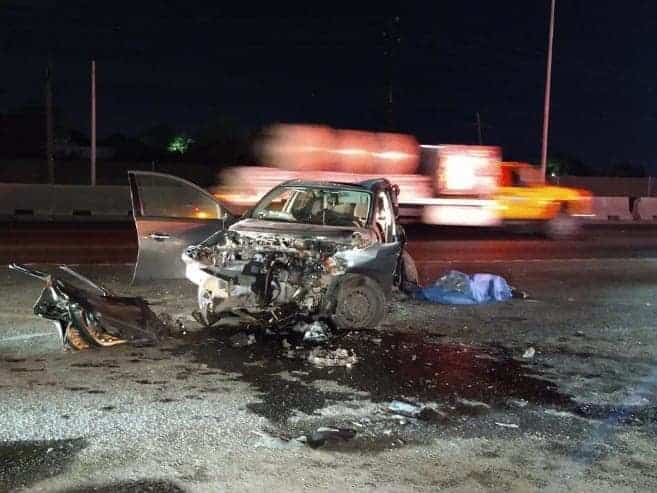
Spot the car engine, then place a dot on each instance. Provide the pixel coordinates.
(265, 272)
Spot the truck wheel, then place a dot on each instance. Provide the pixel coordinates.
(360, 303)
(408, 274)
(563, 226)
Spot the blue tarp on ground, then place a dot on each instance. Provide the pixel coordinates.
(458, 288)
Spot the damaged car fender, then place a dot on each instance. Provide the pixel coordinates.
(378, 262)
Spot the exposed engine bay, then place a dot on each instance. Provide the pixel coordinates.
(272, 276)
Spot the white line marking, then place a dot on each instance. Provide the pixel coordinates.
(31, 336)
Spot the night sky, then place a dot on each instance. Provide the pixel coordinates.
(184, 63)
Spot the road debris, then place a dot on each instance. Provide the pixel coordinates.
(87, 318)
(529, 353)
(316, 332)
(266, 440)
(242, 339)
(508, 425)
(323, 435)
(337, 357)
(175, 328)
(518, 402)
(471, 403)
(405, 409)
(410, 410)
(314, 439)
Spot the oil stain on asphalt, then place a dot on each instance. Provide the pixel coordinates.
(389, 367)
(24, 463)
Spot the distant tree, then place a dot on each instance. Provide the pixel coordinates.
(180, 144)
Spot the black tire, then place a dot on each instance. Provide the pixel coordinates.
(360, 303)
(409, 278)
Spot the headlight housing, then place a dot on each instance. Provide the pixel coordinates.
(363, 239)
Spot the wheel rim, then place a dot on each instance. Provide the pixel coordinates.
(356, 306)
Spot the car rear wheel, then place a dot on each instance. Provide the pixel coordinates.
(360, 303)
(408, 279)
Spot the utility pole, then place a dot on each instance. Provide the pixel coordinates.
(392, 40)
(478, 123)
(93, 123)
(548, 84)
(50, 144)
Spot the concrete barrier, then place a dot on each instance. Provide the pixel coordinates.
(611, 208)
(18, 200)
(92, 201)
(46, 202)
(645, 209)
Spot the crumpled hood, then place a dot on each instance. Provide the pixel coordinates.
(338, 234)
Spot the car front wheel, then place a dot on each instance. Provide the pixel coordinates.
(360, 303)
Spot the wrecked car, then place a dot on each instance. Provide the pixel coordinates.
(307, 249)
(93, 317)
(331, 250)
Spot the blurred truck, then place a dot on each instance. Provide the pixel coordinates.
(456, 185)
(524, 199)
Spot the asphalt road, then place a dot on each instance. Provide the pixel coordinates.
(551, 393)
(117, 243)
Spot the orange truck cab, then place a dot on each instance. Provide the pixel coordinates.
(524, 197)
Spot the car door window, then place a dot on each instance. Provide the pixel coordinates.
(166, 197)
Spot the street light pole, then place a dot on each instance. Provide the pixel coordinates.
(548, 84)
(50, 133)
(93, 123)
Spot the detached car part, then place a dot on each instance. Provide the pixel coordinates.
(93, 318)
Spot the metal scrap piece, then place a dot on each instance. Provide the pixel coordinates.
(84, 318)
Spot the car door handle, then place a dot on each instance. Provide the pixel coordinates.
(159, 236)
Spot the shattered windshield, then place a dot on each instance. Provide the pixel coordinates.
(314, 205)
